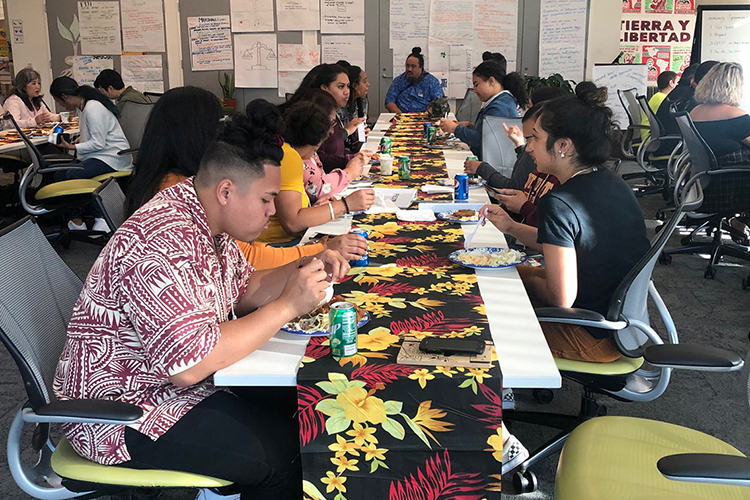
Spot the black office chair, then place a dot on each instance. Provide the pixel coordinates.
(111, 202)
(133, 120)
(153, 96)
(36, 303)
(643, 373)
(626, 457)
(726, 195)
(469, 108)
(631, 138)
(497, 149)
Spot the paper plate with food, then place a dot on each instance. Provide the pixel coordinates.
(487, 258)
(315, 323)
(463, 216)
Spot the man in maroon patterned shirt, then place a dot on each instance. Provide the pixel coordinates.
(170, 301)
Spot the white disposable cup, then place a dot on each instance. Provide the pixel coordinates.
(386, 165)
(366, 169)
(65, 116)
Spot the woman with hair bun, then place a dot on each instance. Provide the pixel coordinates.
(501, 94)
(414, 89)
(590, 228)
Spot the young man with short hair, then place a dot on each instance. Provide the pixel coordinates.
(110, 83)
(666, 81)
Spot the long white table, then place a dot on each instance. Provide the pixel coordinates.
(523, 354)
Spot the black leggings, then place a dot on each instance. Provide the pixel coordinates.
(251, 440)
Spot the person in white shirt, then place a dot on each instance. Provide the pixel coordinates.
(25, 101)
(101, 135)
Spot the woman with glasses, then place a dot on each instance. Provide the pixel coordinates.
(501, 94)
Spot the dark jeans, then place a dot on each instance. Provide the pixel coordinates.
(91, 168)
(251, 439)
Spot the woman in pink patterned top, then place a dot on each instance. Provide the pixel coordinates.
(318, 183)
(170, 301)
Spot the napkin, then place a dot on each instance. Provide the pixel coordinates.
(434, 188)
(415, 215)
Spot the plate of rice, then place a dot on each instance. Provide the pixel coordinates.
(487, 258)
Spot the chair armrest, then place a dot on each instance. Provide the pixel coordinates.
(692, 357)
(87, 411)
(706, 468)
(129, 151)
(62, 157)
(59, 168)
(577, 316)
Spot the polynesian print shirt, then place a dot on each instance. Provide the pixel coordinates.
(150, 308)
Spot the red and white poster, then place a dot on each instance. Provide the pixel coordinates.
(684, 7)
(631, 6)
(657, 58)
(658, 6)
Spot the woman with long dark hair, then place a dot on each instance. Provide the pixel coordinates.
(502, 94)
(25, 102)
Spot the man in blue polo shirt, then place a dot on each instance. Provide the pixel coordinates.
(413, 90)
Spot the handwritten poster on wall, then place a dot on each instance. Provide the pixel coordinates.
(298, 57)
(99, 24)
(657, 34)
(410, 20)
(620, 77)
(451, 25)
(348, 47)
(87, 68)
(143, 72)
(142, 25)
(210, 43)
(562, 38)
(296, 15)
(495, 30)
(342, 16)
(255, 60)
(289, 81)
(251, 15)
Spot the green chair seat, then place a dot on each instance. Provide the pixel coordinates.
(615, 458)
(117, 173)
(67, 188)
(622, 366)
(68, 464)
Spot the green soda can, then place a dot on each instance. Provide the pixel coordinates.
(474, 158)
(342, 325)
(404, 168)
(431, 134)
(385, 145)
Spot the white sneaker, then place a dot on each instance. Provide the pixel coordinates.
(101, 226)
(76, 227)
(514, 454)
(209, 494)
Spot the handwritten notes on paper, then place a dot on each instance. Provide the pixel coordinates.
(495, 30)
(100, 28)
(409, 28)
(296, 15)
(348, 47)
(289, 81)
(255, 60)
(251, 15)
(725, 36)
(562, 38)
(450, 40)
(142, 25)
(298, 57)
(87, 68)
(143, 72)
(210, 43)
(620, 77)
(342, 16)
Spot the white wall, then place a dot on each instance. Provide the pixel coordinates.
(34, 50)
(603, 43)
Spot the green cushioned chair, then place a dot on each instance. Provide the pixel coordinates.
(36, 301)
(643, 373)
(632, 458)
(119, 174)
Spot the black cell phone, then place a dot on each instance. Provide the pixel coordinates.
(437, 345)
(62, 136)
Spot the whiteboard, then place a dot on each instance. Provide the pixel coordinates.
(725, 37)
(620, 77)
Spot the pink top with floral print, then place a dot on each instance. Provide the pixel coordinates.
(318, 183)
(150, 308)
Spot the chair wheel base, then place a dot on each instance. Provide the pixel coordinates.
(710, 272)
(543, 396)
(525, 482)
(665, 258)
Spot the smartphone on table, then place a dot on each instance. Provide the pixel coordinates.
(446, 346)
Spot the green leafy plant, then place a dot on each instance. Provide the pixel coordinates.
(554, 80)
(226, 81)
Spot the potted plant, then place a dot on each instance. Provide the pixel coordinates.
(554, 80)
(226, 81)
